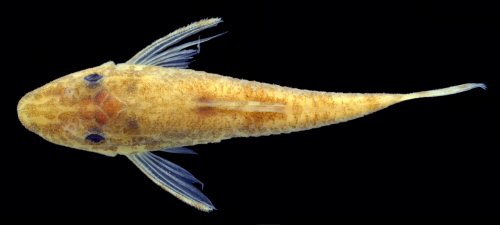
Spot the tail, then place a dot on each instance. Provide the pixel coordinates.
(444, 91)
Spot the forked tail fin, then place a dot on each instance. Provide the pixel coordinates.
(443, 91)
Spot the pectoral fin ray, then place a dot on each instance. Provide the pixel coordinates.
(168, 52)
(172, 178)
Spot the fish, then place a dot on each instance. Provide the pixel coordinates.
(154, 103)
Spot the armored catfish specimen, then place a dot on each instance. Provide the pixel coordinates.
(153, 103)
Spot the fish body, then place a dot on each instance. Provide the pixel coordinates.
(153, 103)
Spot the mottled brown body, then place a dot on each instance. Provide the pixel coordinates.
(143, 108)
(150, 104)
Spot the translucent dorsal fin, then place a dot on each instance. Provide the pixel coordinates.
(164, 52)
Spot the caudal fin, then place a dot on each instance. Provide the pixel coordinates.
(444, 91)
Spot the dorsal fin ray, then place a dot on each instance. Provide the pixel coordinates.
(243, 106)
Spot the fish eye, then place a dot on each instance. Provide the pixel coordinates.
(95, 138)
(93, 78)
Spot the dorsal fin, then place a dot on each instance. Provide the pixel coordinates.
(243, 106)
(164, 52)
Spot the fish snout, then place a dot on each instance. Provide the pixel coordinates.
(35, 112)
(24, 111)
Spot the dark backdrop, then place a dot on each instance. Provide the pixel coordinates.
(425, 157)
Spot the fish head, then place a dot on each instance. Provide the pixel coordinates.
(73, 110)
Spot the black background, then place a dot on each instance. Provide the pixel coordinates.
(425, 157)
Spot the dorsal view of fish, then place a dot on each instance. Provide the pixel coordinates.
(153, 102)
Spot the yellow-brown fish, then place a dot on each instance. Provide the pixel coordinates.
(153, 103)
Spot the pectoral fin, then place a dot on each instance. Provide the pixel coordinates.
(164, 52)
(172, 178)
